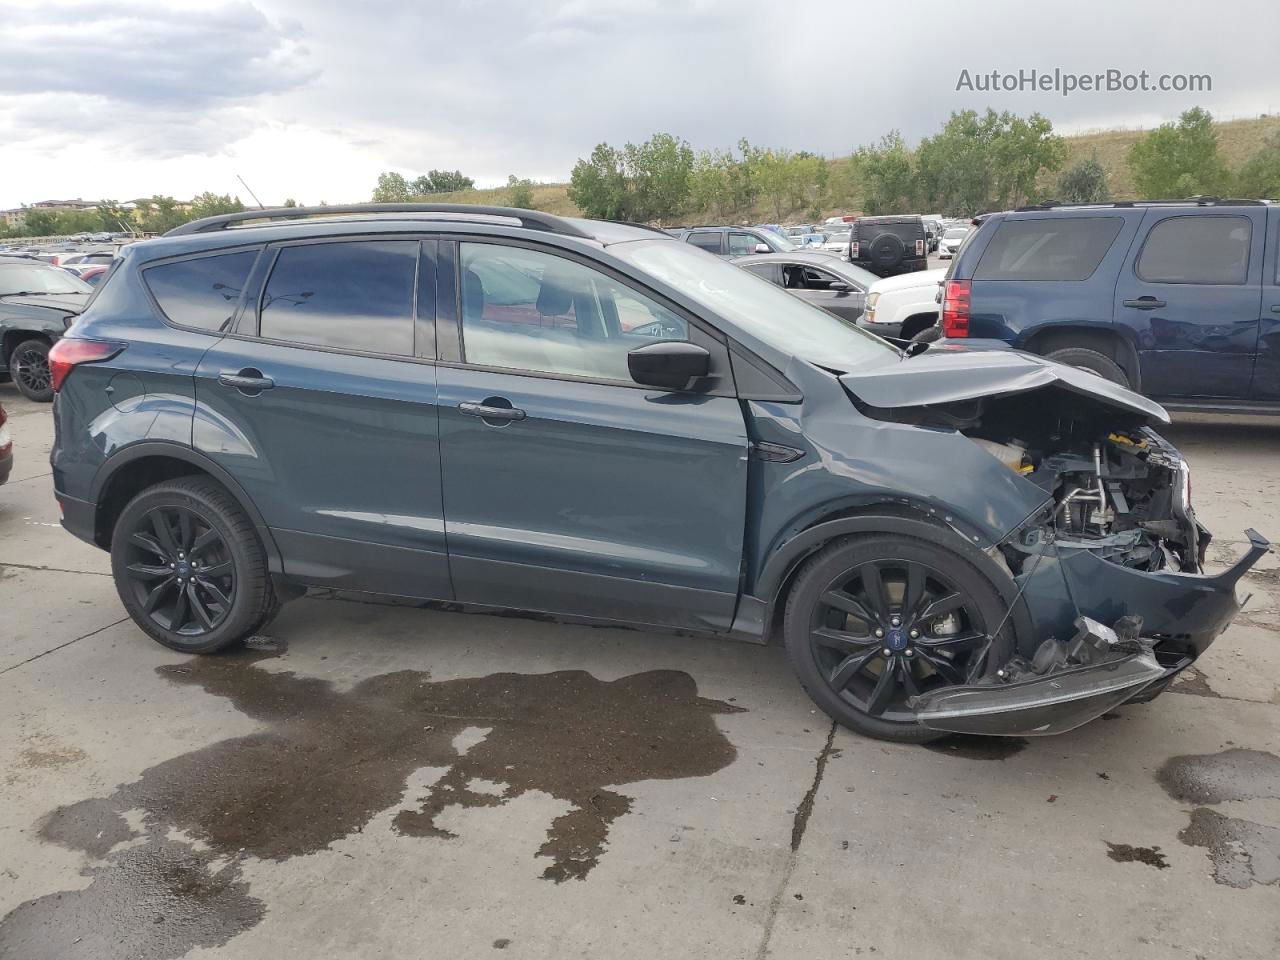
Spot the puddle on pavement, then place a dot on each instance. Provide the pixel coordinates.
(1124, 853)
(977, 748)
(326, 762)
(1218, 777)
(1242, 852)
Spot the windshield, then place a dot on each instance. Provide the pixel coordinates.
(33, 278)
(839, 237)
(956, 233)
(783, 243)
(757, 306)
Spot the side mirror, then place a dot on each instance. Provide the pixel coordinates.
(763, 248)
(671, 364)
(840, 287)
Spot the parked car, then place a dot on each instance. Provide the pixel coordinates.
(821, 279)
(888, 246)
(88, 272)
(951, 240)
(37, 304)
(1179, 300)
(836, 242)
(6, 447)
(89, 256)
(903, 306)
(975, 541)
(734, 241)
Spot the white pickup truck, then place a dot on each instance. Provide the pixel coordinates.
(904, 305)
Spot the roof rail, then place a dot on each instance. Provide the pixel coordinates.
(530, 219)
(1129, 204)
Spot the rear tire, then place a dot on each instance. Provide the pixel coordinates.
(190, 568)
(29, 364)
(1093, 361)
(842, 662)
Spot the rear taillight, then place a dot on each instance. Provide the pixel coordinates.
(853, 250)
(955, 308)
(6, 441)
(919, 248)
(70, 352)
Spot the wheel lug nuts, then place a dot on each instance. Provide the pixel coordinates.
(915, 634)
(910, 652)
(887, 652)
(879, 632)
(896, 621)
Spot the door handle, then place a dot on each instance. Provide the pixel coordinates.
(1146, 303)
(487, 412)
(1275, 308)
(247, 381)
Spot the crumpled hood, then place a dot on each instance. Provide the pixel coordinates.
(949, 374)
(68, 303)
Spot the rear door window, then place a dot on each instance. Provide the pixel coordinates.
(710, 242)
(348, 296)
(201, 292)
(1057, 248)
(769, 271)
(1197, 250)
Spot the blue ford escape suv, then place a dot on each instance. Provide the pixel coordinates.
(508, 409)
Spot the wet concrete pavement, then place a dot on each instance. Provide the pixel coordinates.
(399, 782)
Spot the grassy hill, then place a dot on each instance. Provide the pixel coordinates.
(1238, 140)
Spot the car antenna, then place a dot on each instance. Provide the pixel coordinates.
(251, 193)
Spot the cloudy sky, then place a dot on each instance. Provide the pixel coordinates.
(312, 99)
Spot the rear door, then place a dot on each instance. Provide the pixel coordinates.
(569, 488)
(323, 407)
(1266, 370)
(1191, 290)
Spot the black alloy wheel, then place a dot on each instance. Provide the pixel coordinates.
(890, 629)
(874, 620)
(181, 571)
(29, 365)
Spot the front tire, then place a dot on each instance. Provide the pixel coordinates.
(874, 620)
(29, 364)
(190, 568)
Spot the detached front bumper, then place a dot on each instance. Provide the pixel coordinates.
(1162, 623)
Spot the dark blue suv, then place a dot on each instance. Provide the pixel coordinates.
(507, 409)
(1179, 300)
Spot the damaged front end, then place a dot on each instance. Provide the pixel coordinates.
(1110, 569)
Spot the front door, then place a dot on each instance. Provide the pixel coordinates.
(323, 407)
(568, 488)
(814, 285)
(1191, 293)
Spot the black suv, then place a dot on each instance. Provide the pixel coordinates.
(1179, 299)
(38, 301)
(508, 409)
(888, 246)
(734, 241)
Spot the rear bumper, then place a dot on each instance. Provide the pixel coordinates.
(79, 517)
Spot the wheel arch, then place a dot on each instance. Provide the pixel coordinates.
(917, 322)
(141, 465)
(1107, 340)
(14, 336)
(777, 577)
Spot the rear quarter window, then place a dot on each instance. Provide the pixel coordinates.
(1210, 250)
(1057, 248)
(201, 292)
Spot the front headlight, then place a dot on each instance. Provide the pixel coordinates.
(869, 308)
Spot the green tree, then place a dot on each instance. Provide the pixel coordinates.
(888, 172)
(40, 223)
(520, 193)
(598, 185)
(1021, 149)
(1260, 176)
(711, 184)
(212, 204)
(1179, 159)
(1084, 182)
(391, 188)
(160, 214)
(112, 218)
(658, 171)
(290, 202)
(441, 181)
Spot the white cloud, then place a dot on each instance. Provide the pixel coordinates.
(311, 98)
